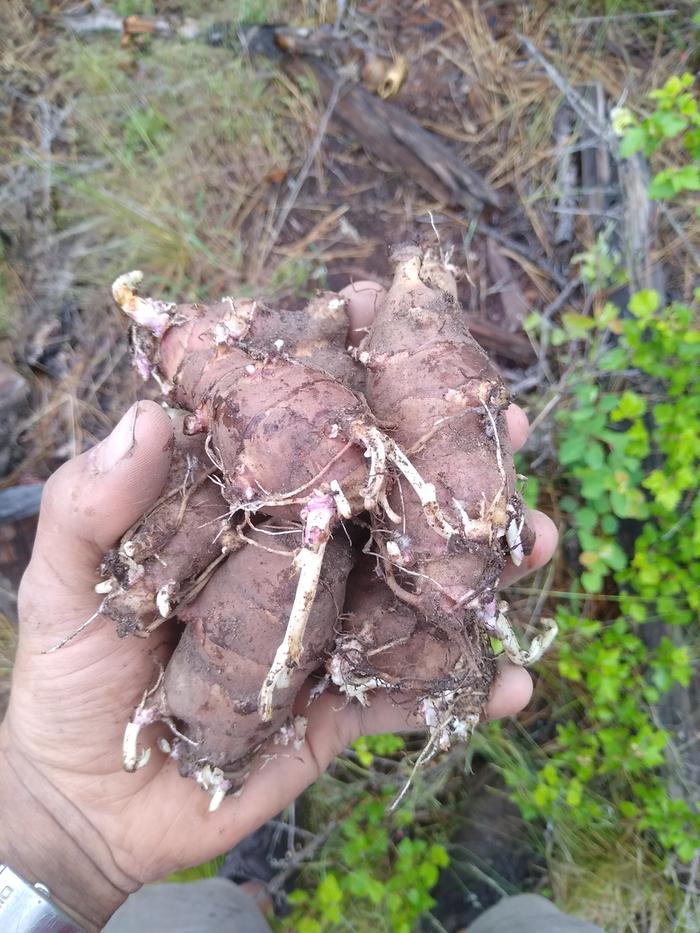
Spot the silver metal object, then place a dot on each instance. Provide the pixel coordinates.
(26, 908)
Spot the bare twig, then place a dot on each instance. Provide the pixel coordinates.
(523, 250)
(576, 101)
(567, 176)
(298, 858)
(561, 298)
(298, 184)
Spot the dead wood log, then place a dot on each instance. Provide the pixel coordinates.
(393, 136)
(515, 347)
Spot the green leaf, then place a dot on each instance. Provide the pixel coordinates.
(329, 892)
(628, 809)
(572, 449)
(613, 359)
(298, 896)
(574, 793)
(609, 524)
(586, 518)
(686, 178)
(662, 187)
(630, 406)
(532, 321)
(308, 925)
(438, 855)
(577, 325)
(591, 581)
(667, 123)
(644, 303)
(632, 141)
(613, 555)
(568, 504)
(429, 874)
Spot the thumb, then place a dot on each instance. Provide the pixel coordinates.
(363, 298)
(93, 499)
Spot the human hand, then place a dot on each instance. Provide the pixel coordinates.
(69, 815)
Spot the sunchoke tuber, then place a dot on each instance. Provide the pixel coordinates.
(423, 465)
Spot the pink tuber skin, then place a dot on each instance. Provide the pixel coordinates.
(209, 694)
(445, 677)
(276, 426)
(436, 393)
(165, 558)
(451, 423)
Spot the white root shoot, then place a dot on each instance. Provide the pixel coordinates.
(164, 598)
(388, 511)
(375, 442)
(73, 634)
(513, 537)
(425, 492)
(443, 725)
(318, 516)
(214, 782)
(144, 715)
(382, 448)
(341, 500)
(501, 628)
(289, 652)
(156, 316)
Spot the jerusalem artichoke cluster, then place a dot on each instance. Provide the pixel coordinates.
(331, 513)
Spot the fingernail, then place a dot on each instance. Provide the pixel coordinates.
(119, 444)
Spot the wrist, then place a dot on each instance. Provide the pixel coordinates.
(45, 838)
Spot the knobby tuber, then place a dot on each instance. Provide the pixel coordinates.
(452, 425)
(278, 442)
(442, 674)
(165, 559)
(208, 695)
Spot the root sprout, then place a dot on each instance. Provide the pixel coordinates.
(144, 715)
(74, 634)
(499, 626)
(318, 518)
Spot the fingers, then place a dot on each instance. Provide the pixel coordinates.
(518, 426)
(363, 299)
(93, 499)
(333, 723)
(511, 692)
(546, 537)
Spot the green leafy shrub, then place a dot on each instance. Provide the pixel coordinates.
(629, 445)
(675, 117)
(379, 867)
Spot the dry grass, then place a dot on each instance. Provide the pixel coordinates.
(614, 883)
(8, 646)
(172, 158)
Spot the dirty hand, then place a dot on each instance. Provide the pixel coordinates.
(70, 817)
